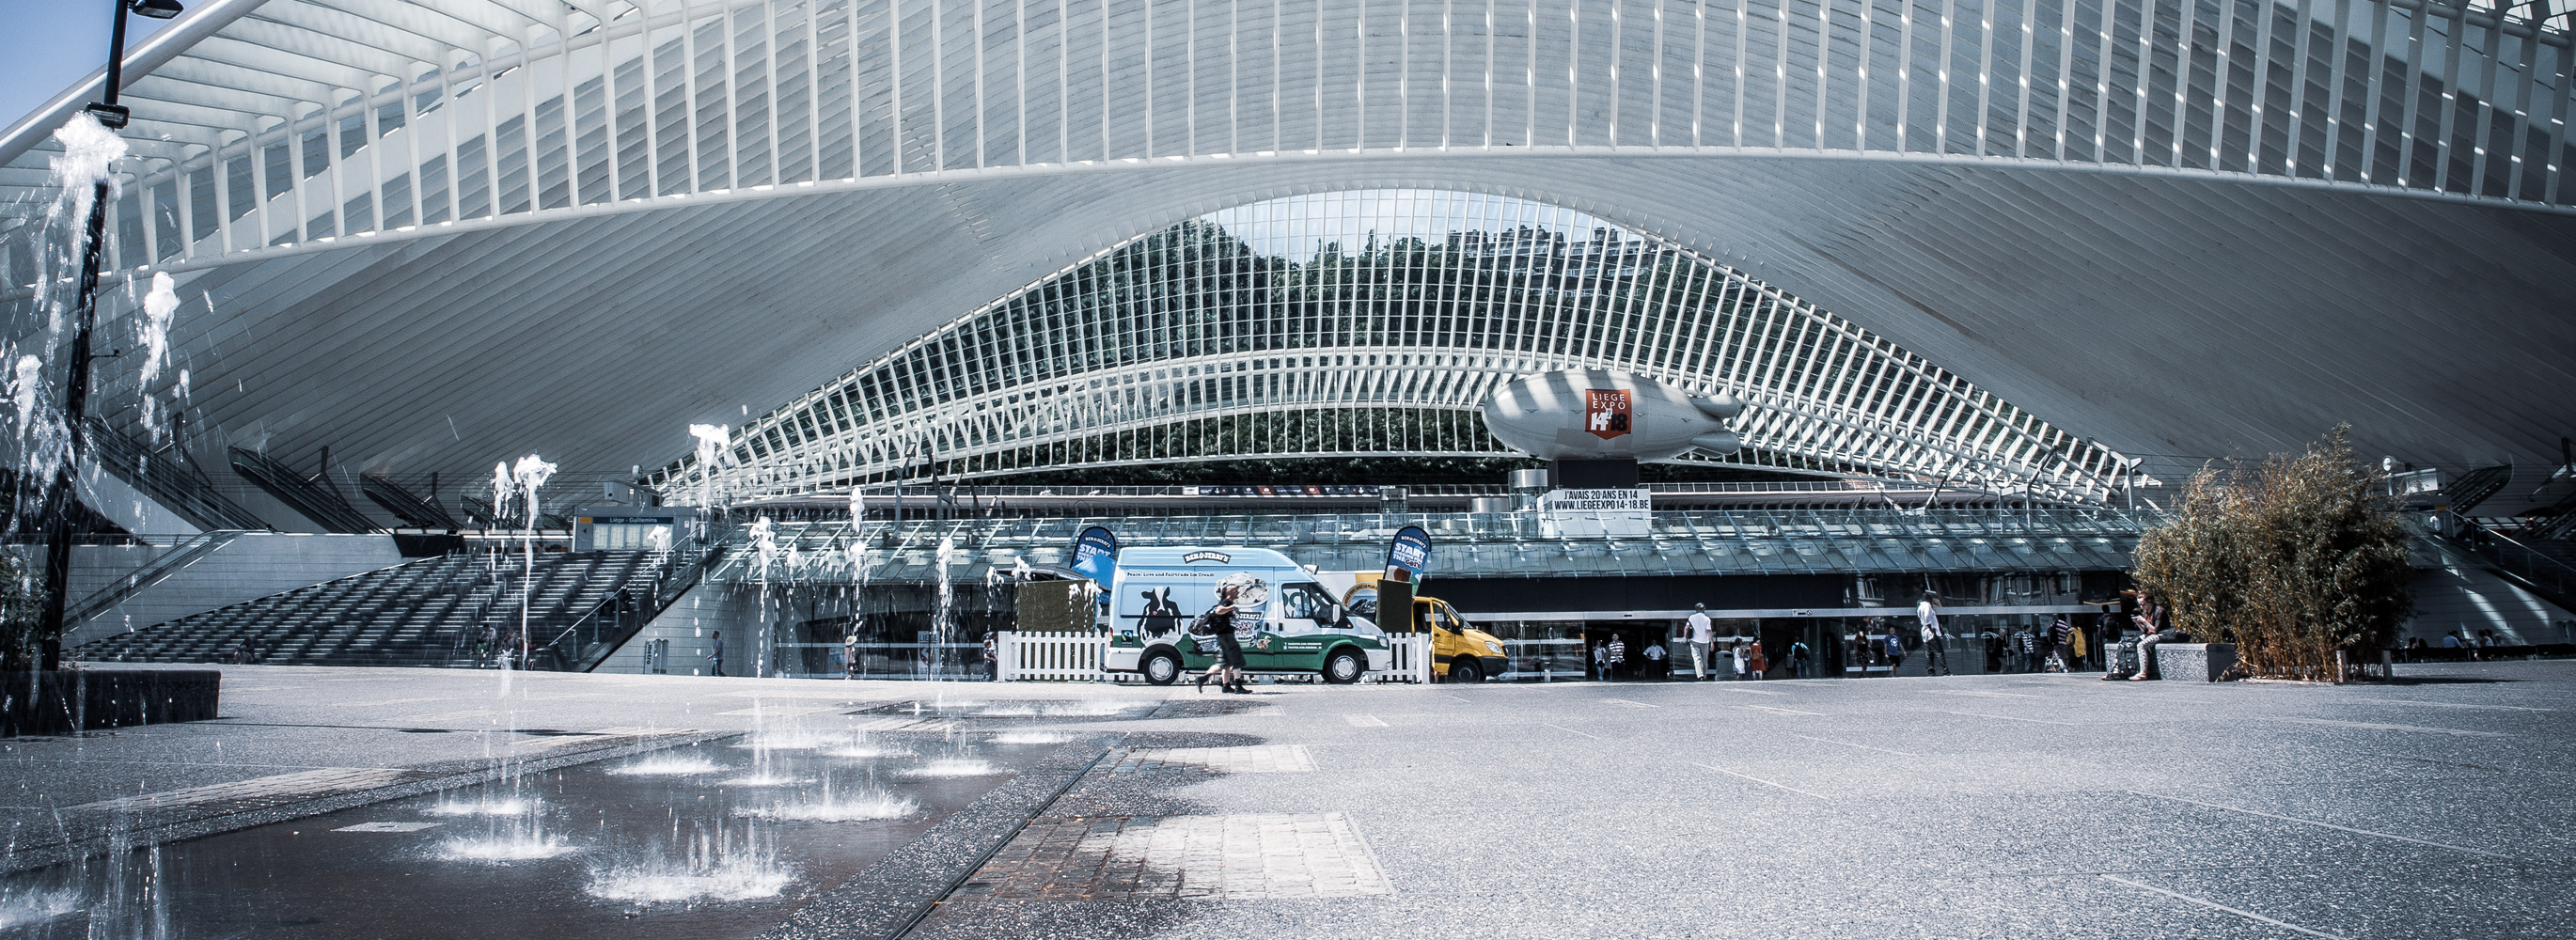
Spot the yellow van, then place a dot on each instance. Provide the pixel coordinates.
(1459, 651)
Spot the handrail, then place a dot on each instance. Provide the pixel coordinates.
(312, 496)
(180, 486)
(184, 553)
(665, 583)
(2535, 565)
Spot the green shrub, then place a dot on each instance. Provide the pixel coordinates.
(2300, 557)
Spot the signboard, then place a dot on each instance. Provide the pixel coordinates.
(1095, 553)
(1596, 513)
(1410, 551)
(1607, 412)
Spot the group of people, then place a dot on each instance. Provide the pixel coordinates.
(2452, 644)
(1610, 658)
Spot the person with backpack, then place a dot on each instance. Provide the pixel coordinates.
(1218, 625)
(1798, 659)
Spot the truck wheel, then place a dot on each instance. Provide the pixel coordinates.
(1464, 669)
(1344, 667)
(1162, 667)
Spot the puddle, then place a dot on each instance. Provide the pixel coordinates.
(706, 841)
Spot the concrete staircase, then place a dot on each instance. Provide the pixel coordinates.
(429, 612)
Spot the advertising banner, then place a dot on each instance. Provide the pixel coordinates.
(1605, 512)
(1095, 553)
(1410, 551)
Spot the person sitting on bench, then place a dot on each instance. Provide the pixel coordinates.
(2154, 626)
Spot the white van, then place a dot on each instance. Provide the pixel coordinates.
(1302, 627)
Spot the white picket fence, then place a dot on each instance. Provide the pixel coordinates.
(1411, 662)
(1063, 657)
(1050, 657)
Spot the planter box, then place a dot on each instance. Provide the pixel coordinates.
(89, 699)
(2198, 662)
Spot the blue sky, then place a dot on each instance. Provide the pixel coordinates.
(46, 45)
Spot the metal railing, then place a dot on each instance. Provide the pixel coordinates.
(170, 477)
(186, 552)
(2537, 570)
(1733, 541)
(311, 495)
(603, 627)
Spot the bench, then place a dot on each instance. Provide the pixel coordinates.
(2204, 662)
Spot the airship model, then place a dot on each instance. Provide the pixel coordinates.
(1601, 414)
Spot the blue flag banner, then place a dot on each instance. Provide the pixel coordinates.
(1095, 552)
(1411, 551)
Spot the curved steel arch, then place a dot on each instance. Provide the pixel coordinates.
(1402, 305)
(587, 268)
(260, 123)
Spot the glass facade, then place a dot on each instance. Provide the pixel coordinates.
(1375, 322)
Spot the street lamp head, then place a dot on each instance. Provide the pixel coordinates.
(157, 9)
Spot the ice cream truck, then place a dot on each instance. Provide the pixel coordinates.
(1298, 627)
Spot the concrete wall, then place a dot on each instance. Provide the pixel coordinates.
(252, 566)
(2471, 599)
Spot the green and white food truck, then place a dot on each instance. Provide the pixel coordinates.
(1299, 626)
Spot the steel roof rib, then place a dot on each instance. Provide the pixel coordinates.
(2244, 309)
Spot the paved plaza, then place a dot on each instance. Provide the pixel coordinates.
(2001, 806)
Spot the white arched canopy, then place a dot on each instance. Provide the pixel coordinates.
(431, 234)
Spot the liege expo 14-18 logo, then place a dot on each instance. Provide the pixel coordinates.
(1606, 411)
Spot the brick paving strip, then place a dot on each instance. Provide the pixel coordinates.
(1242, 857)
(885, 900)
(177, 815)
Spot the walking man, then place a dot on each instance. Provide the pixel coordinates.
(1703, 635)
(715, 653)
(1936, 661)
(1798, 659)
(1618, 655)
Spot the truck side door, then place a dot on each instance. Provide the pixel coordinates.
(1300, 614)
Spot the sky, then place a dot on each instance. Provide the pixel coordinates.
(46, 45)
(1298, 225)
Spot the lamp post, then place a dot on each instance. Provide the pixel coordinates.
(58, 498)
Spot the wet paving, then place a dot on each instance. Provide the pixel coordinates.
(711, 840)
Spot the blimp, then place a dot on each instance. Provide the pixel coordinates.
(1601, 414)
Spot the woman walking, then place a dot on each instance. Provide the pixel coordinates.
(1219, 624)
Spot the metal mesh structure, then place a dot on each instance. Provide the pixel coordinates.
(1376, 322)
(429, 234)
(262, 123)
(1472, 545)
